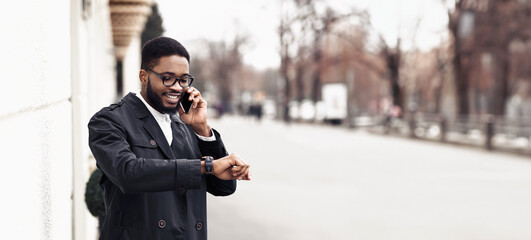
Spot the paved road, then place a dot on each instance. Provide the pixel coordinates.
(318, 182)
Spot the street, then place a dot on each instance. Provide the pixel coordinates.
(323, 182)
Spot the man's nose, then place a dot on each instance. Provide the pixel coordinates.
(176, 87)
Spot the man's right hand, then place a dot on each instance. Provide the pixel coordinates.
(231, 167)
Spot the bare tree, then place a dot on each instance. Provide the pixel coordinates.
(286, 40)
(392, 58)
(225, 61)
(482, 35)
(320, 25)
(346, 59)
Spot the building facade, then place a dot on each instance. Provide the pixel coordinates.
(59, 64)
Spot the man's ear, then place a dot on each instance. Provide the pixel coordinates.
(143, 75)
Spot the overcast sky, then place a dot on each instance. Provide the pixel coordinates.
(190, 21)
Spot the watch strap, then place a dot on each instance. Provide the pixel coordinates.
(209, 165)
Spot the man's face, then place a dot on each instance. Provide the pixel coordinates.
(163, 98)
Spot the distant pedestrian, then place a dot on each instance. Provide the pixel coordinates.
(157, 161)
(258, 111)
(391, 114)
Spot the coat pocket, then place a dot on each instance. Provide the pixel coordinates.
(145, 148)
(145, 143)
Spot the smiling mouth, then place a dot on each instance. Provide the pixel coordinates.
(172, 98)
(173, 95)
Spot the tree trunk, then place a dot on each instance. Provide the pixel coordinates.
(502, 79)
(461, 82)
(460, 70)
(316, 78)
(299, 81)
(287, 88)
(393, 66)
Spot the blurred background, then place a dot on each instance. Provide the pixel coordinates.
(383, 119)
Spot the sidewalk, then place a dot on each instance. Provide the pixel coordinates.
(322, 182)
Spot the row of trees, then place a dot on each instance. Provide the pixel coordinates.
(484, 63)
(321, 45)
(491, 52)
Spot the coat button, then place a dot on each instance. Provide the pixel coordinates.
(152, 142)
(162, 223)
(181, 189)
(199, 226)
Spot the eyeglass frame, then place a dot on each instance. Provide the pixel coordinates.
(176, 78)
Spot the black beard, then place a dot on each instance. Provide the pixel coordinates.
(156, 101)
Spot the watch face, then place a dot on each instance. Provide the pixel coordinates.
(209, 165)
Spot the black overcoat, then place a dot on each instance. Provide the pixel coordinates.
(153, 190)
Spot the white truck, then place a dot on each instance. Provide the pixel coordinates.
(334, 102)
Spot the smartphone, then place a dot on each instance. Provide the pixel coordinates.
(186, 104)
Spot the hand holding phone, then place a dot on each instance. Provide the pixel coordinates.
(185, 103)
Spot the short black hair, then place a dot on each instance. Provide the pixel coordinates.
(159, 47)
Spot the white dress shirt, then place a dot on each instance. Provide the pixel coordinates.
(164, 121)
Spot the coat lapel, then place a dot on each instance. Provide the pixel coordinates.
(177, 143)
(156, 133)
(150, 124)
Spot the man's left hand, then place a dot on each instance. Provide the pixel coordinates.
(197, 117)
(231, 167)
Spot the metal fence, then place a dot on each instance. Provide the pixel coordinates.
(486, 131)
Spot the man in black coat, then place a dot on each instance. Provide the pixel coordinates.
(158, 162)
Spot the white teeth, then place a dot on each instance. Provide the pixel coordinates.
(172, 96)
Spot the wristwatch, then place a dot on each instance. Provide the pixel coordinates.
(209, 165)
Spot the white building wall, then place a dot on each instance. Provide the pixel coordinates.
(58, 69)
(35, 121)
(94, 87)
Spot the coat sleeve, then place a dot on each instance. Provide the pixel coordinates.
(108, 143)
(216, 149)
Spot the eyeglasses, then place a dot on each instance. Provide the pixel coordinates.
(169, 81)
